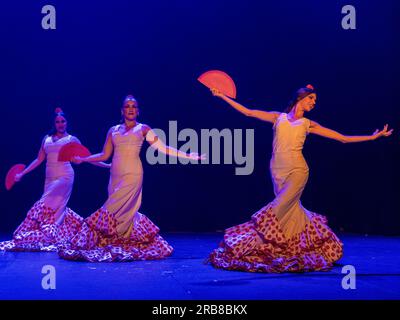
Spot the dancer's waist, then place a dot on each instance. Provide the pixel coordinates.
(122, 166)
(279, 152)
(57, 165)
(288, 160)
(127, 149)
(59, 171)
(126, 154)
(130, 160)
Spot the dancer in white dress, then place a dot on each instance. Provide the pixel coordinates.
(284, 236)
(118, 231)
(49, 222)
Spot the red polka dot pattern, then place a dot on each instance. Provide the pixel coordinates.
(39, 232)
(259, 245)
(98, 241)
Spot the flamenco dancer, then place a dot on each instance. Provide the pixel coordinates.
(49, 222)
(118, 231)
(284, 236)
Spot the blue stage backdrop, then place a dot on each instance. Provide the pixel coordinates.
(102, 50)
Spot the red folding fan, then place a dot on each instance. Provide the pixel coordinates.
(72, 149)
(219, 80)
(10, 178)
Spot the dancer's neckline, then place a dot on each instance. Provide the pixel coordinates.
(293, 120)
(54, 141)
(125, 128)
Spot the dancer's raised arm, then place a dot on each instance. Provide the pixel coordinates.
(35, 163)
(316, 128)
(102, 156)
(157, 143)
(269, 116)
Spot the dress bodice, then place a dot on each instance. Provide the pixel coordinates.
(290, 136)
(127, 148)
(55, 168)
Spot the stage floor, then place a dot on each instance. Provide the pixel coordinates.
(185, 276)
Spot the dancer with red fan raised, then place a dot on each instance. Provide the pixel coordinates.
(49, 222)
(284, 236)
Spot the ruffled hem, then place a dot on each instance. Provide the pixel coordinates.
(98, 241)
(39, 232)
(260, 246)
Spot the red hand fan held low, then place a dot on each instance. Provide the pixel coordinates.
(72, 149)
(10, 177)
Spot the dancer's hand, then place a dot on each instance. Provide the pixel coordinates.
(196, 156)
(217, 93)
(383, 133)
(18, 177)
(77, 160)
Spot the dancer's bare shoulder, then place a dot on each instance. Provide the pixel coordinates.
(45, 138)
(268, 116)
(148, 133)
(113, 129)
(315, 126)
(145, 129)
(44, 141)
(75, 139)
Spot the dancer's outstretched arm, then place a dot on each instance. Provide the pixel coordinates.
(102, 156)
(269, 116)
(316, 128)
(98, 164)
(155, 142)
(35, 163)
